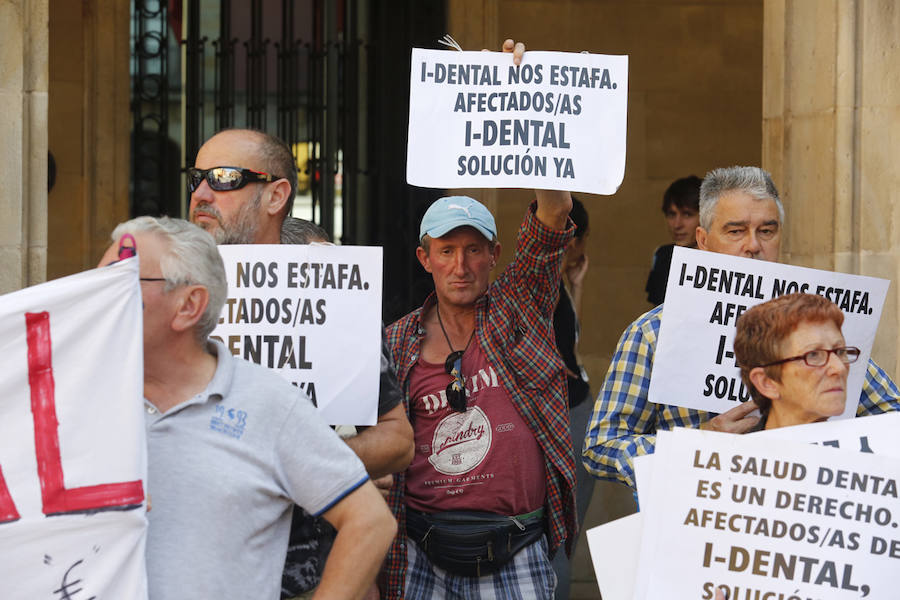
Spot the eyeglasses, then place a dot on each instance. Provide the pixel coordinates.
(225, 179)
(152, 279)
(456, 389)
(819, 357)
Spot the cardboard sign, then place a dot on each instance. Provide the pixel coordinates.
(695, 365)
(767, 516)
(313, 314)
(557, 121)
(73, 459)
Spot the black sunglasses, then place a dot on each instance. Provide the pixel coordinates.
(225, 179)
(456, 389)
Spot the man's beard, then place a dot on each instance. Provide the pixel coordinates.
(240, 229)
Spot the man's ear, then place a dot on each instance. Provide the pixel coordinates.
(278, 196)
(423, 258)
(495, 254)
(190, 308)
(767, 386)
(701, 238)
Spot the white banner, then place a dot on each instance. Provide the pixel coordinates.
(767, 516)
(615, 546)
(557, 121)
(695, 365)
(876, 434)
(73, 455)
(313, 314)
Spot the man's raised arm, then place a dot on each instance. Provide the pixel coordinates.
(553, 208)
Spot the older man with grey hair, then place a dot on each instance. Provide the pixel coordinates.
(741, 215)
(231, 445)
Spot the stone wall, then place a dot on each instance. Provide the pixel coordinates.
(89, 127)
(831, 129)
(23, 153)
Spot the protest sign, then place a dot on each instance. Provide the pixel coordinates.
(876, 434)
(614, 553)
(695, 366)
(557, 121)
(312, 313)
(770, 518)
(73, 459)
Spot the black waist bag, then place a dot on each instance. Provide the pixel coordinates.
(471, 543)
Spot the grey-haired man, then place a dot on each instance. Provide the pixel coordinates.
(228, 444)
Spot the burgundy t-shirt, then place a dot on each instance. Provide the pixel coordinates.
(485, 459)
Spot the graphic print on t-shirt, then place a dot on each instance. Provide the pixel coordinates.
(484, 459)
(460, 442)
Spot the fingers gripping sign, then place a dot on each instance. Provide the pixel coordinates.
(736, 420)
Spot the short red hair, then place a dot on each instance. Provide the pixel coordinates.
(762, 329)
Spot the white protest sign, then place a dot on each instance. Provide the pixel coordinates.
(313, 314)
(557, 121)
(770, 518)
(73, 459)
(876, 434)
(695, 365)
(614, 553)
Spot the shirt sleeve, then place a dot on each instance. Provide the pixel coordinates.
(535, 271)
(623, 423)
(316, 468)
(389, 392)
(879, 394)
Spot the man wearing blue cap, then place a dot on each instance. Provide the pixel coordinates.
(488, 496)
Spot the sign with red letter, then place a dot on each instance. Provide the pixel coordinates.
(73, 458)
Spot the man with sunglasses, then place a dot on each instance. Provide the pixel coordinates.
(741, 215)
(489, 494)
(242, 187)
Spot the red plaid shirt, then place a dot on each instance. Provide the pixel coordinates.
(514, 319)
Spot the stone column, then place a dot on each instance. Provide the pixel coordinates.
(23, 153)
(831, 138)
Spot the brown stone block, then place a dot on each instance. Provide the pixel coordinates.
(13, 54)
(66, 124)
(878, 178)
(11, 265)
(886, 266)
(773, 149)
(811, 48)
(613, 299)
(66, 41)
(687, 128)
(66, 253)
(537, 23)
(12, 171)
(36, 49)
(773, 58)
(809, 189)
(880, 82)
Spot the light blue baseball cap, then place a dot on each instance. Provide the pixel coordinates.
(451, 212)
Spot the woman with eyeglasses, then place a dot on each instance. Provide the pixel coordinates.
(794, 360)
